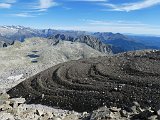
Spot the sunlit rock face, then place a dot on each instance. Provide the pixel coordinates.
(87, 84)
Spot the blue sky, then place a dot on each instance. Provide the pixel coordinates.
(124, 16)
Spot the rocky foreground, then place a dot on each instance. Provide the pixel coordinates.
(88, 84)
(16, 109)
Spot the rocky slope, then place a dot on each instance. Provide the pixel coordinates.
(88, 84)
(87, 39)
(37, 54)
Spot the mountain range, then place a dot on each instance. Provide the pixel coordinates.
(105, 42)
(87, 39)
(122, 43)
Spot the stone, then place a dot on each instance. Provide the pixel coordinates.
(71, 117)
(39, 112)
(5, 107)
(136, 104)
(115, 109)
(4, 96)
(134, 109)
(57, 118)
(143, 115)
(154, 117)
(115, 116)
(49, 114)
(123, 113)
(158, 112)
(6, 116)
(84, 113)
(17, 101)
(101, 113)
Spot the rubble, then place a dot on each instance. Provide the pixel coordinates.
(16, 109)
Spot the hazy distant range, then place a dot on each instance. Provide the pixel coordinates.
(118, 42)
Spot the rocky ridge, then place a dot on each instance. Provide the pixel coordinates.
(20, 33)
(87, 39)
(114, 81)
(37, 54)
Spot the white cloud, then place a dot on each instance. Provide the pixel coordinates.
(10, 1)
(36, 8)
(45, 4)
(119, 23)
(23, 15)
(5, 5)
(89, 0)
(133, 6)
(67, 8)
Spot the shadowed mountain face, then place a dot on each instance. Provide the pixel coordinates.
(121, 43)
(4, 42)
(147, 40)
(87, 84)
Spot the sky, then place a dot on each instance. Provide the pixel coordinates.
(123, 16)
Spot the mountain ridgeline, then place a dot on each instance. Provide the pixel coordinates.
(105, 42)
(87, 39)
(121, 43)
(20, 33)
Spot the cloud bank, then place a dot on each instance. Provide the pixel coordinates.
(132, 6)
(6, 3)
(134, 27)
(89, 0)
(36, 8)
(45, 4)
